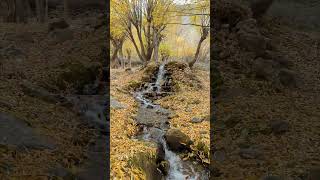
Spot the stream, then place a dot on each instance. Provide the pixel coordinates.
(155, 122)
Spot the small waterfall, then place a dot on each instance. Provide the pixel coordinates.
(160, 75)
(178, 170)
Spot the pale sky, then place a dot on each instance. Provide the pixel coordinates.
(181, 1)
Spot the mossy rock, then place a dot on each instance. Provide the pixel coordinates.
(77, 75)
(133, 85)
(175, 65)
(147, 163)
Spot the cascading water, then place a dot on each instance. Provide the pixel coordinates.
(178, 169)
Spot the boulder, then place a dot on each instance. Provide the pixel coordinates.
(279, 127)
(177, 140)
(16, 132)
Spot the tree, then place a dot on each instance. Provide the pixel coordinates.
(66, 9)
(144, 21)
(117, 36)
(201, 16)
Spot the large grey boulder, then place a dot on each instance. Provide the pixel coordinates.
(16, 132)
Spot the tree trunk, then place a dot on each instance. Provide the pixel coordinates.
(46, 13)
(66, 9)
(156, 48)
(191, 63)
(11, 17)
(20, 13)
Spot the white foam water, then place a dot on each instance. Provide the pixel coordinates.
(178, 169)
(160, 75)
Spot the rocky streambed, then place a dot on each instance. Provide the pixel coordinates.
(154, 126)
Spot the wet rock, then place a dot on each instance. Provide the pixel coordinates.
(177, 140)
(279, 127)
(160, 153)
(150, 118)
(18, 133)
(58, 24)
(250, 153)
(288, 78)
(196, 120)
(164, 167)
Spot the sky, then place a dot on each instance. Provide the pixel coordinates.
(181, 1)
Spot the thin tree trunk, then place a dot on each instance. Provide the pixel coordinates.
(46, 13)
(11, 17)
(197, 53)
(66, 9)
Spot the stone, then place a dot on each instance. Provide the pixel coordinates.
(160, 153)
(164, 167)
(196, 120)
(288, 78)
(39, 92)
(16, 132)
(114, 104)
(250, 153)
(151, 118)
(177, 140)
(219, 156)
(279, 127)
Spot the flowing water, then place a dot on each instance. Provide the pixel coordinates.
(155, 126)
